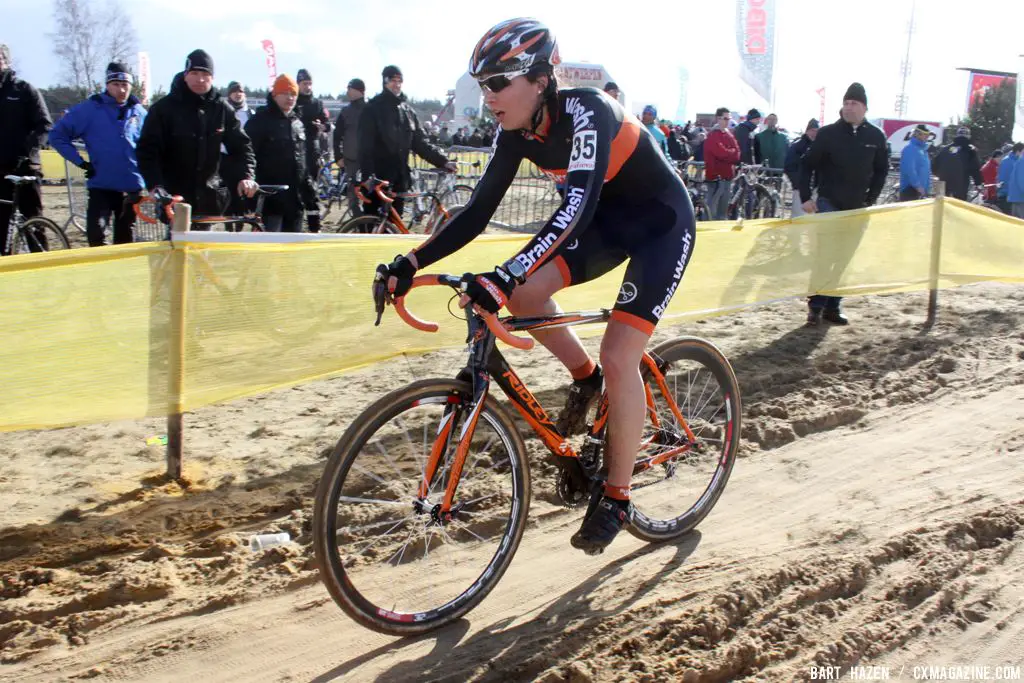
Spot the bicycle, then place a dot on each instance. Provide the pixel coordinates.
(750, 199)
(433, 477)
(331, 192)
(32, 235)
(252, 221)
(692, 175)
(388, 220)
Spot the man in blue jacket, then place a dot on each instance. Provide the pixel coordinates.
(915, 168)
(110, 124)
(1015, 183)
(1005, 174)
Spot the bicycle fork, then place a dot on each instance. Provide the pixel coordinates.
(453, 413)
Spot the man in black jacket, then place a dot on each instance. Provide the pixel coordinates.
(794, 161)
(317, 120)
(388, 131)
(958, 163)
(744, 133)
(850, 161)
(179, 149)
(24, 123)
(346, 137)
(279, 143)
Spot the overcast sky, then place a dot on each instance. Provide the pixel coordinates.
(819, 43)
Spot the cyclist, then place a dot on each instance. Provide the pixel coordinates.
(623, 201)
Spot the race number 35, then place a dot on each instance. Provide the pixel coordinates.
(584, 151)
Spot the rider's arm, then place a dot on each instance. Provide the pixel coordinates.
(68, 128)
(596, 127)
(473, 218)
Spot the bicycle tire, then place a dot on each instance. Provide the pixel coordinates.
(367, 225)
(458, 195)
(37, 235)
(657, 529)
(340, 575)
(764, 204)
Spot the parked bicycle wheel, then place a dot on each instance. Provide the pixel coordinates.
(39, 234)
(368, 225)
(766, 205)
(387, 556)
(457, 196)
(672, 497)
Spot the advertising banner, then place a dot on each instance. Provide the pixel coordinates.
(755, 39)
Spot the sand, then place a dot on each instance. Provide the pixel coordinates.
(873, 518)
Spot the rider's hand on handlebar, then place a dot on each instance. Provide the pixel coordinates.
(247, 188)
(452, 167)
(396, 276)
(489, 291)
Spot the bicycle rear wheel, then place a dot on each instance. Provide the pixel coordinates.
(386, 554)
(37, 235)
(368, 225)
(677, 482)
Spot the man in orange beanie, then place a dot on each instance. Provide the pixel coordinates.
(279, 142)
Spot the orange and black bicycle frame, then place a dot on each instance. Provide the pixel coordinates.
(486, 363)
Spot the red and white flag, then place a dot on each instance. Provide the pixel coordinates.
(268, 48)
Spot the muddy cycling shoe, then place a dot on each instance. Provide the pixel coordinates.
(582, 395)
(604, 520)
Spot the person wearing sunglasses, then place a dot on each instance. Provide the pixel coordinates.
(622, 202)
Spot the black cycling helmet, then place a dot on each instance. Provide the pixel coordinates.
(514, 48)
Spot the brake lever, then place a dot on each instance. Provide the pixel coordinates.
(380, 291)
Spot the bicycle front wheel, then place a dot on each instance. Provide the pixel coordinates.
(37, 235)
(388, 556)
(676, 480)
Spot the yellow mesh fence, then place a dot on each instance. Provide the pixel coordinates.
(88, 335)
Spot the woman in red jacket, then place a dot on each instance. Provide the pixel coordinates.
(989, 174)
(721, 154)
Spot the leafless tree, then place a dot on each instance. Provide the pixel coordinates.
(87, 37)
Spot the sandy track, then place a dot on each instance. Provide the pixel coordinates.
(875, 518)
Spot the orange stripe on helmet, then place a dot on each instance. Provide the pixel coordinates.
(497, 36)
(522, 48)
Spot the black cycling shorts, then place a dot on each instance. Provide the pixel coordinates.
(657, 236)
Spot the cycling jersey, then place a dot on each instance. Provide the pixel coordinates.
(601, 154)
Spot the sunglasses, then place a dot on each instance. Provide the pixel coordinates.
(496, 83)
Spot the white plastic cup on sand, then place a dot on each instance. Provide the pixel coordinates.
(264, 541)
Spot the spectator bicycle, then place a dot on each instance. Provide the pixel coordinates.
(30, 235)
(692, 175)
(750, 198)
(388, 220)
(423, 502)
(146, 210)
